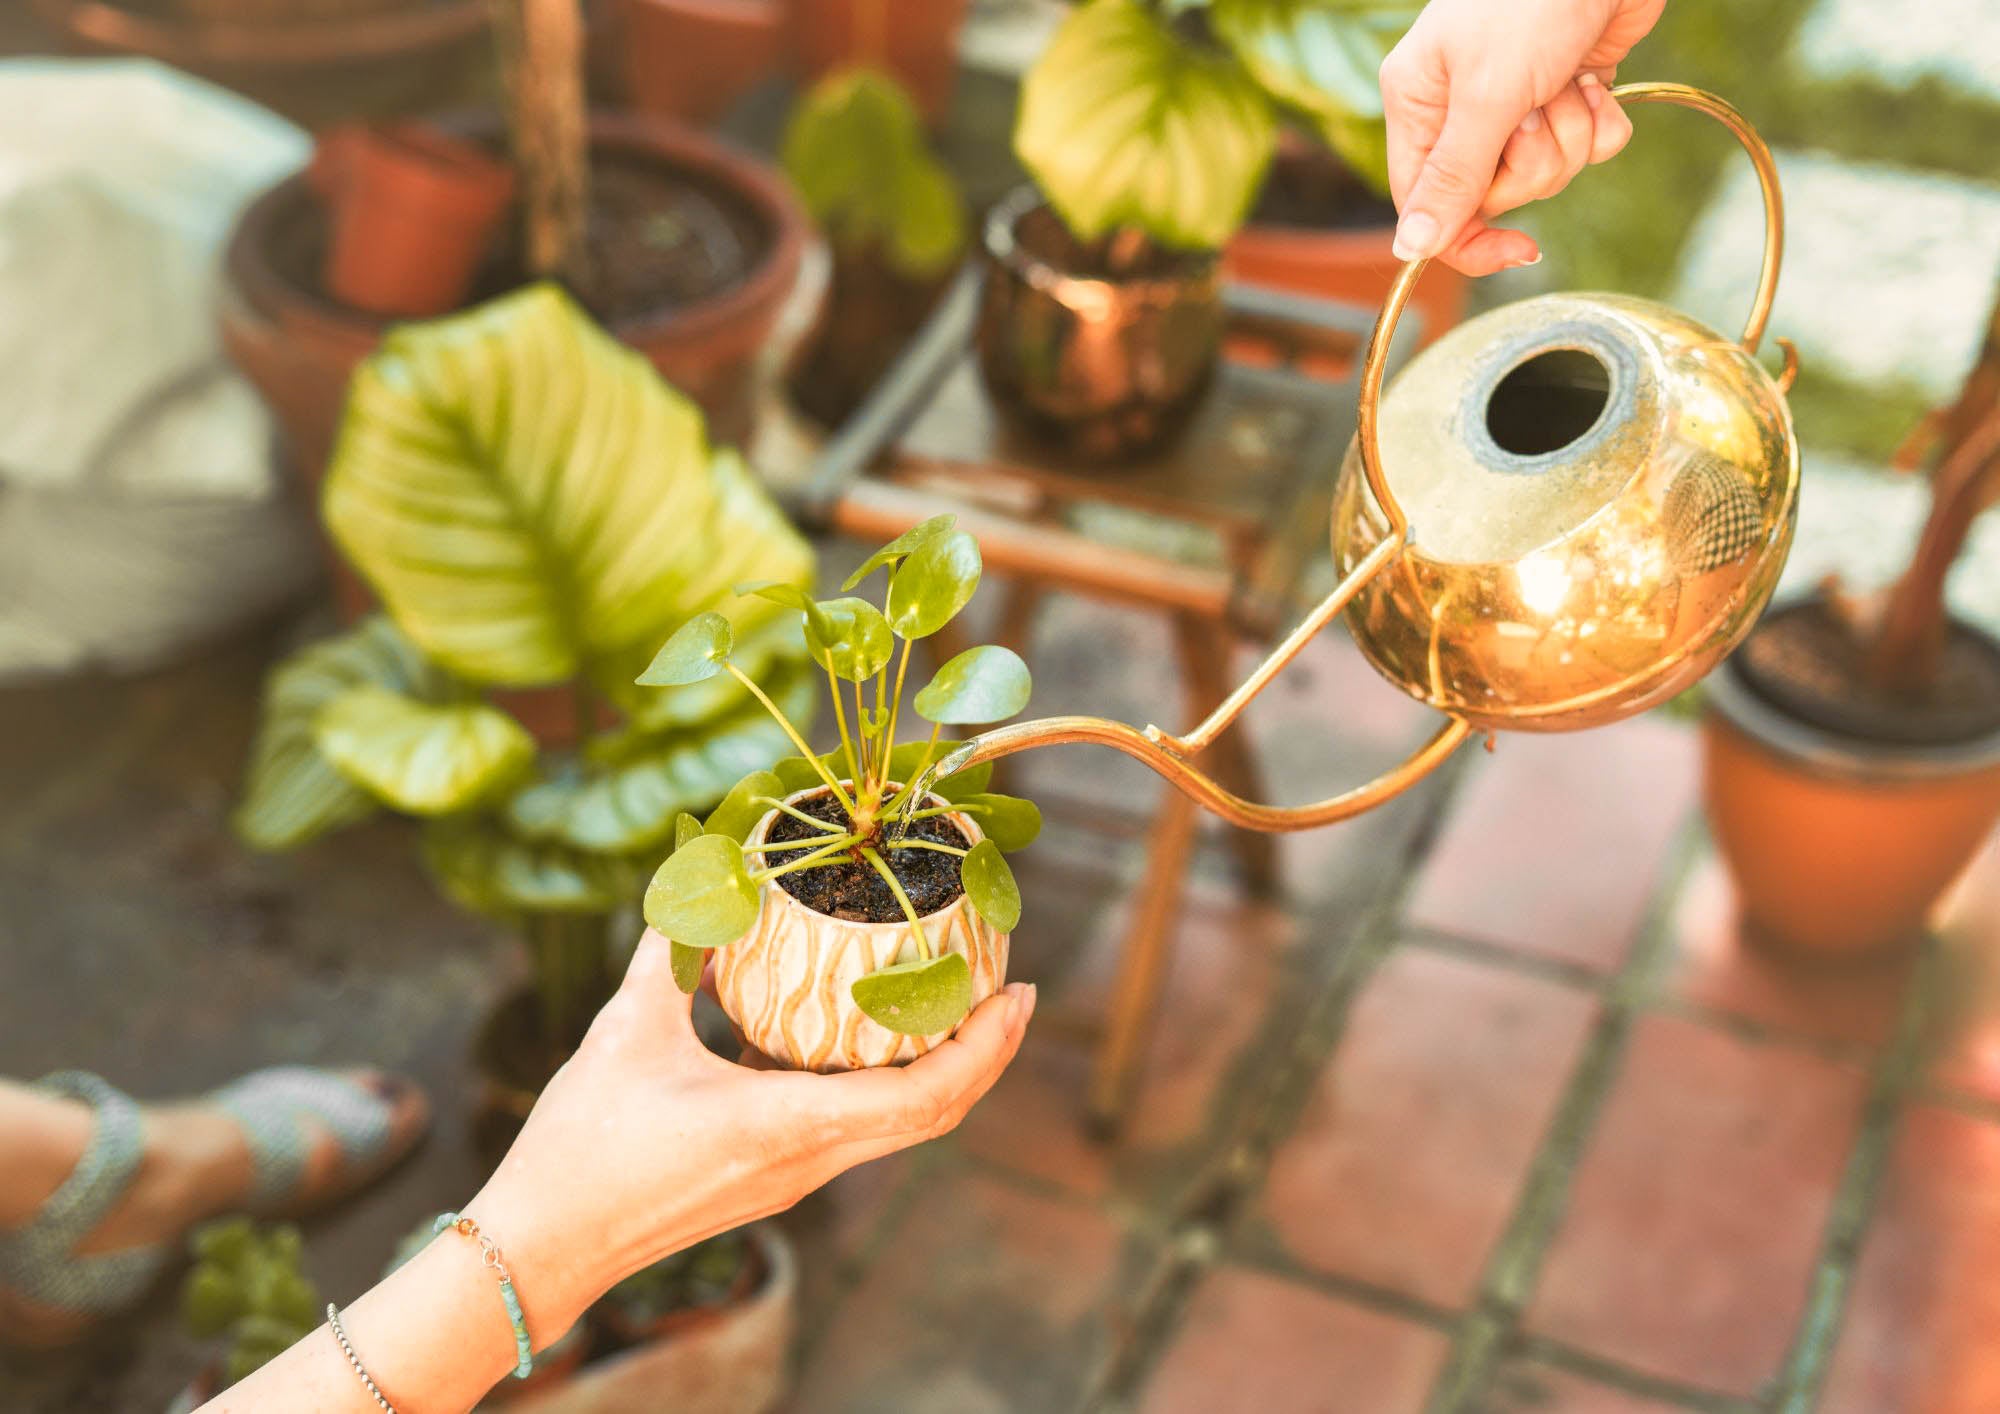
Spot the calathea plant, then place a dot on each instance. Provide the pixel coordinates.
(857, 151)
(534, 509)
(858, 834)
(1159, 117)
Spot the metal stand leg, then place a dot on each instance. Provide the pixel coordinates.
(1204, 649)
(1142, 963)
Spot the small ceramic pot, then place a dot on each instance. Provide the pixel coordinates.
(1839, 847)
(785, 982)
(914, 41)
(413, 211)
(1103, 369)
(692, 59)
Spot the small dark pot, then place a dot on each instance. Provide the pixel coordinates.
(1104, 368)
(869, 315)
(413, 211)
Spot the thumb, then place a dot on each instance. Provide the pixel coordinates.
(1455, 176)
(649, 988)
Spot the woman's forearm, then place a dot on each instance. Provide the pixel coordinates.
(433, 1335)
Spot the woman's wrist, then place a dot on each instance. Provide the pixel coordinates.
(558, 1269)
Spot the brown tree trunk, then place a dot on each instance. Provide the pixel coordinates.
(1910, 636)
(541, 53)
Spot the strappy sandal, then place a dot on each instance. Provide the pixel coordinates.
(281, 1111)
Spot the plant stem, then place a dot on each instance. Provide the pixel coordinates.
(895, 710)
(814, 842)
(820, 856)
(861, 726)
(931, 812)
(793, 732)
(927, 844)
(909, 909)
(840, 717)
(796, 813)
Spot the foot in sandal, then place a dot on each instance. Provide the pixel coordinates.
(97, 1193)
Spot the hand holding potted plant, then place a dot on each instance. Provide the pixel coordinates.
(1148, 126)
(863, 908)
(1853, 744)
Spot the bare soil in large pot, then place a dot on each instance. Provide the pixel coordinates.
(691, 250)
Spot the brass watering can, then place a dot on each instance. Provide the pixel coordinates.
(1561, 513)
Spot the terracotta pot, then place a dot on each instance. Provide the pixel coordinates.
(692, 59)
(1840, 847)
(299, 347)
(915, 41)
(629, 1328)
(733, 1360)
(317, 65)
(785, 982)
(414, 210)
(1104, 369)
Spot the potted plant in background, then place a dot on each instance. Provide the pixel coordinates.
(862, 906)
(682, 247)
(1148, 126)
(692, 59)
(857, 152)
(914, 41)
(1853, 745)
(533, 508)
(247, 1284)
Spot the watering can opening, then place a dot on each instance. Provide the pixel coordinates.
(1546, 402)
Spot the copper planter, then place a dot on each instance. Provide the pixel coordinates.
(1102, 367)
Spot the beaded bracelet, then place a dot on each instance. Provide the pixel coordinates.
(489, 1255)
(339, 1334)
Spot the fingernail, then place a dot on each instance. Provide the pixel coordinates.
(1533, 122)
(1520, 264)
(1416, 236)
(1029, 1009)
(1593, 91)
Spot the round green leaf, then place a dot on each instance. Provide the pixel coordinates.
(419, 757)
(697, 650)
(210, 1301)
(902, 545)
(528, 497)
(688, 964)
(703, 896)
(986, 684)
(989, 883)
(742, 808)
(1010, 822)
(851, 637)
(933, 583)
(687, 829)
(1123, 123)
(917, 998)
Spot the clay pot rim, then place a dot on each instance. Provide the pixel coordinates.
(776, 1268)
(749, 13)
(304, 44)
(898, 925)
(1835, 754)
(667, 143)
(1003, 249)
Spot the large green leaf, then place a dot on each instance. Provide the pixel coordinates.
(421, 757)
(857, 151)
(528, 497)
(1321, 58)
(984, 684)
(483, 867)
(702, 896)
(927, 589)
(293, 793)
(628, 806)
(1123, 123)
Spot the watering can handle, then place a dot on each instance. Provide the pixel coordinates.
(1406, 280)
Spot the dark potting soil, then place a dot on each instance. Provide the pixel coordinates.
(656, 240)
(1803, 661)
(1311, 189)
(1122, 255)
(852, 889)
